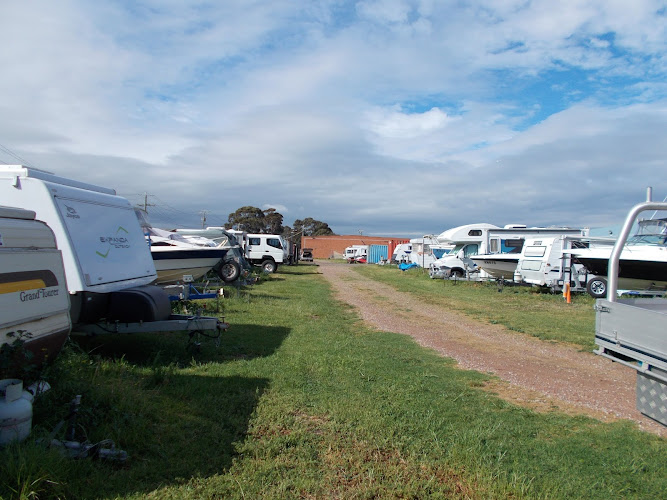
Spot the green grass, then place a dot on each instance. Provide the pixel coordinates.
(302, 401)
(518, 308)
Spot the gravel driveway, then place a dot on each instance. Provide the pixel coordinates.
(534, 373)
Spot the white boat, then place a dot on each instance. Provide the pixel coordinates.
(643, 261)
(178, 258)
(499, 265)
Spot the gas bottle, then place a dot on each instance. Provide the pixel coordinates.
(15, 411)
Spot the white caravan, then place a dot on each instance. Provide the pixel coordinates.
(108, 265)
(426, 250)
(355, 253)
(468, 240)
(504, 247)
(33, 290)
(547, 261)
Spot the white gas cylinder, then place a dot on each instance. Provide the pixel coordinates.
(15, 411)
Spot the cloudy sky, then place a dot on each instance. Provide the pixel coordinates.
(391, 117)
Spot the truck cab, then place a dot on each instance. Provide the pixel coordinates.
(267, 251)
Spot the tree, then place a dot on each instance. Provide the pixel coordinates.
(255, 220)
(312, 227)
(269, 221)
(248, 219)
(273, 221)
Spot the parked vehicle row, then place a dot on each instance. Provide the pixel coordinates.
(100, 248)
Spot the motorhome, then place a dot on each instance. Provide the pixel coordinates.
(468, 240)
(401, 253)
(33, 291)
(108, 265)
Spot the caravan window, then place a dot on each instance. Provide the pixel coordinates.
(253, 241)
(531, 265)
(493, 246)
(475, 232)
(535, 251)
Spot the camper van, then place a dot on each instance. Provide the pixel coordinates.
(468, 240)
(33, 290)
(107, 262)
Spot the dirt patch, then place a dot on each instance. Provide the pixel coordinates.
(533, 373)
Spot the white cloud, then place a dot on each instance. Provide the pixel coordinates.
(395, 116)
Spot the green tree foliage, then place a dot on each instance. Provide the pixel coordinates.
(312, 227)
(269, 221)
(255, 220)
(273, 221)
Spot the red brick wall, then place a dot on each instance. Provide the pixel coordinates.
(328, 247)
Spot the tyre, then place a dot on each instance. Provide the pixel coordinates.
(229, 271)
(457, 273)
(597, 287)
(269, 266)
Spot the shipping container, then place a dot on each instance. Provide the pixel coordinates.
(376, 253)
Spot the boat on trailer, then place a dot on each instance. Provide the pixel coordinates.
(643, 261)
(178, 258)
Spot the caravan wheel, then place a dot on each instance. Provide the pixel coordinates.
(597, 287)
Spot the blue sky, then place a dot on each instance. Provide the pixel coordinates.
(394, 117)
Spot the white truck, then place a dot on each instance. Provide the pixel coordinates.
(264, 250)
(108, 265)
(33, 291)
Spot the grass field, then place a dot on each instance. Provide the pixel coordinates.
(300, 400)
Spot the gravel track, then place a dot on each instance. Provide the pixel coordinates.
(534, 373)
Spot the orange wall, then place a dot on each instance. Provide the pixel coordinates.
(331, 247)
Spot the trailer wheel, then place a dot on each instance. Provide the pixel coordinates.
(229, 271)
(597, 287)
(269, 266)
(457, 273)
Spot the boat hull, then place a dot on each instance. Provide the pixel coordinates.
(177, 266)
(640, 268)
(501, 266)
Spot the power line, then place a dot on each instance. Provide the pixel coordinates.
(14, 155)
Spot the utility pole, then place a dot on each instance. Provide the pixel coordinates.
(146, 204)
(203, 214)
